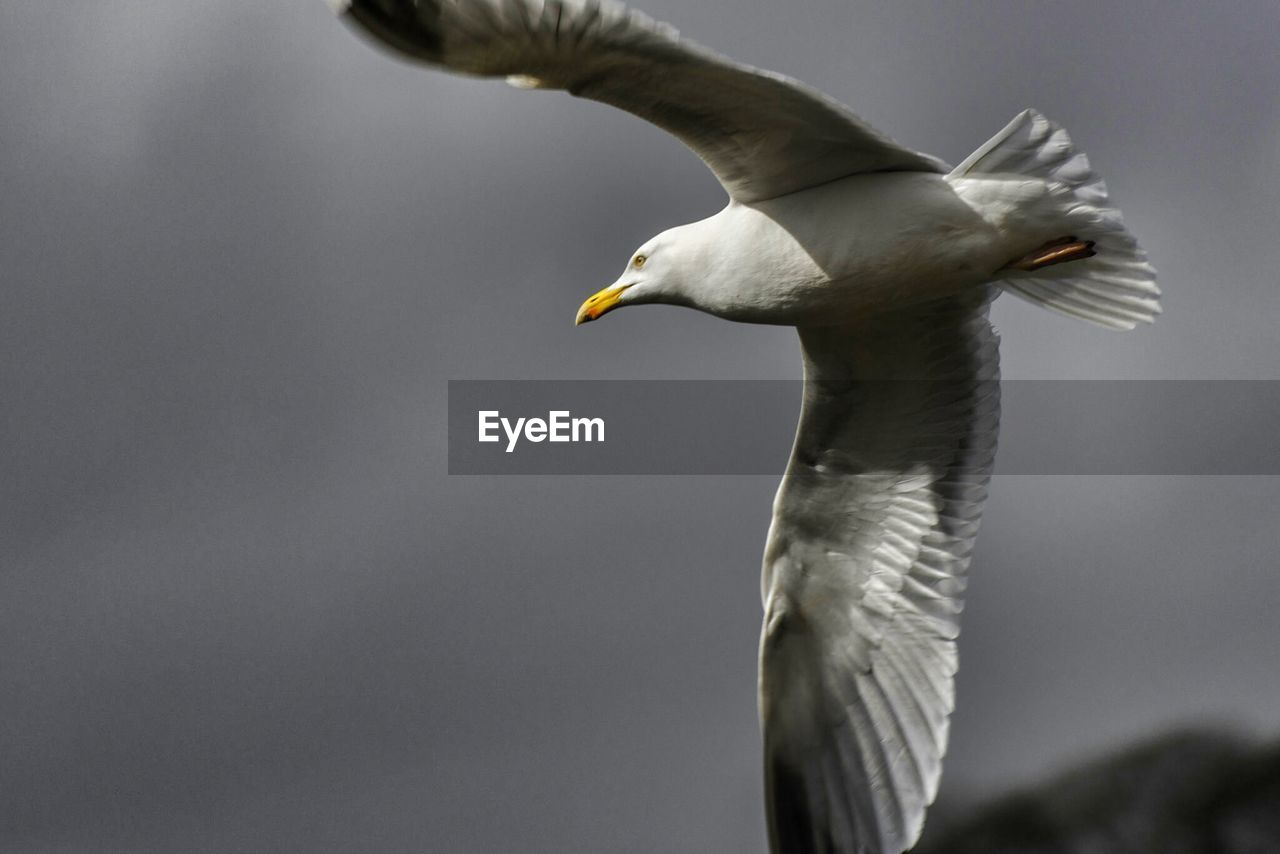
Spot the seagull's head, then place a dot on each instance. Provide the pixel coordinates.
(652, 276)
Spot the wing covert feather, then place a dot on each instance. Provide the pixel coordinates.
(865, 570)
(762, 134)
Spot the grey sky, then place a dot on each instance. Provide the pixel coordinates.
(243, 608)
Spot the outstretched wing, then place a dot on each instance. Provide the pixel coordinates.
(762, 134)
(864, 571)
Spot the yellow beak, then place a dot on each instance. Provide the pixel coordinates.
(599, 304)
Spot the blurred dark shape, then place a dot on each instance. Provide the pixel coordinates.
(1196, 792)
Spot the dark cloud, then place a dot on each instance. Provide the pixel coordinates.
(245, 608)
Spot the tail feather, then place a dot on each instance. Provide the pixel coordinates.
(1115, 287)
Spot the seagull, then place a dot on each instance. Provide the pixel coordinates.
(886, 261)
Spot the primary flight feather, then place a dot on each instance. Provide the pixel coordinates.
(886, 262)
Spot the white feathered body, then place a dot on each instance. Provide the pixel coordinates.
(849, 248)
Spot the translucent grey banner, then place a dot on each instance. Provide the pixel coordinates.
(716, 427)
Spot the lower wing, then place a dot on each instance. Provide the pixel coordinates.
(865, 569)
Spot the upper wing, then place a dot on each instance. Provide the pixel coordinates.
(762, 134)
(864, 571)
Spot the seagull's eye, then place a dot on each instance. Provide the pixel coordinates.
(638, 261)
